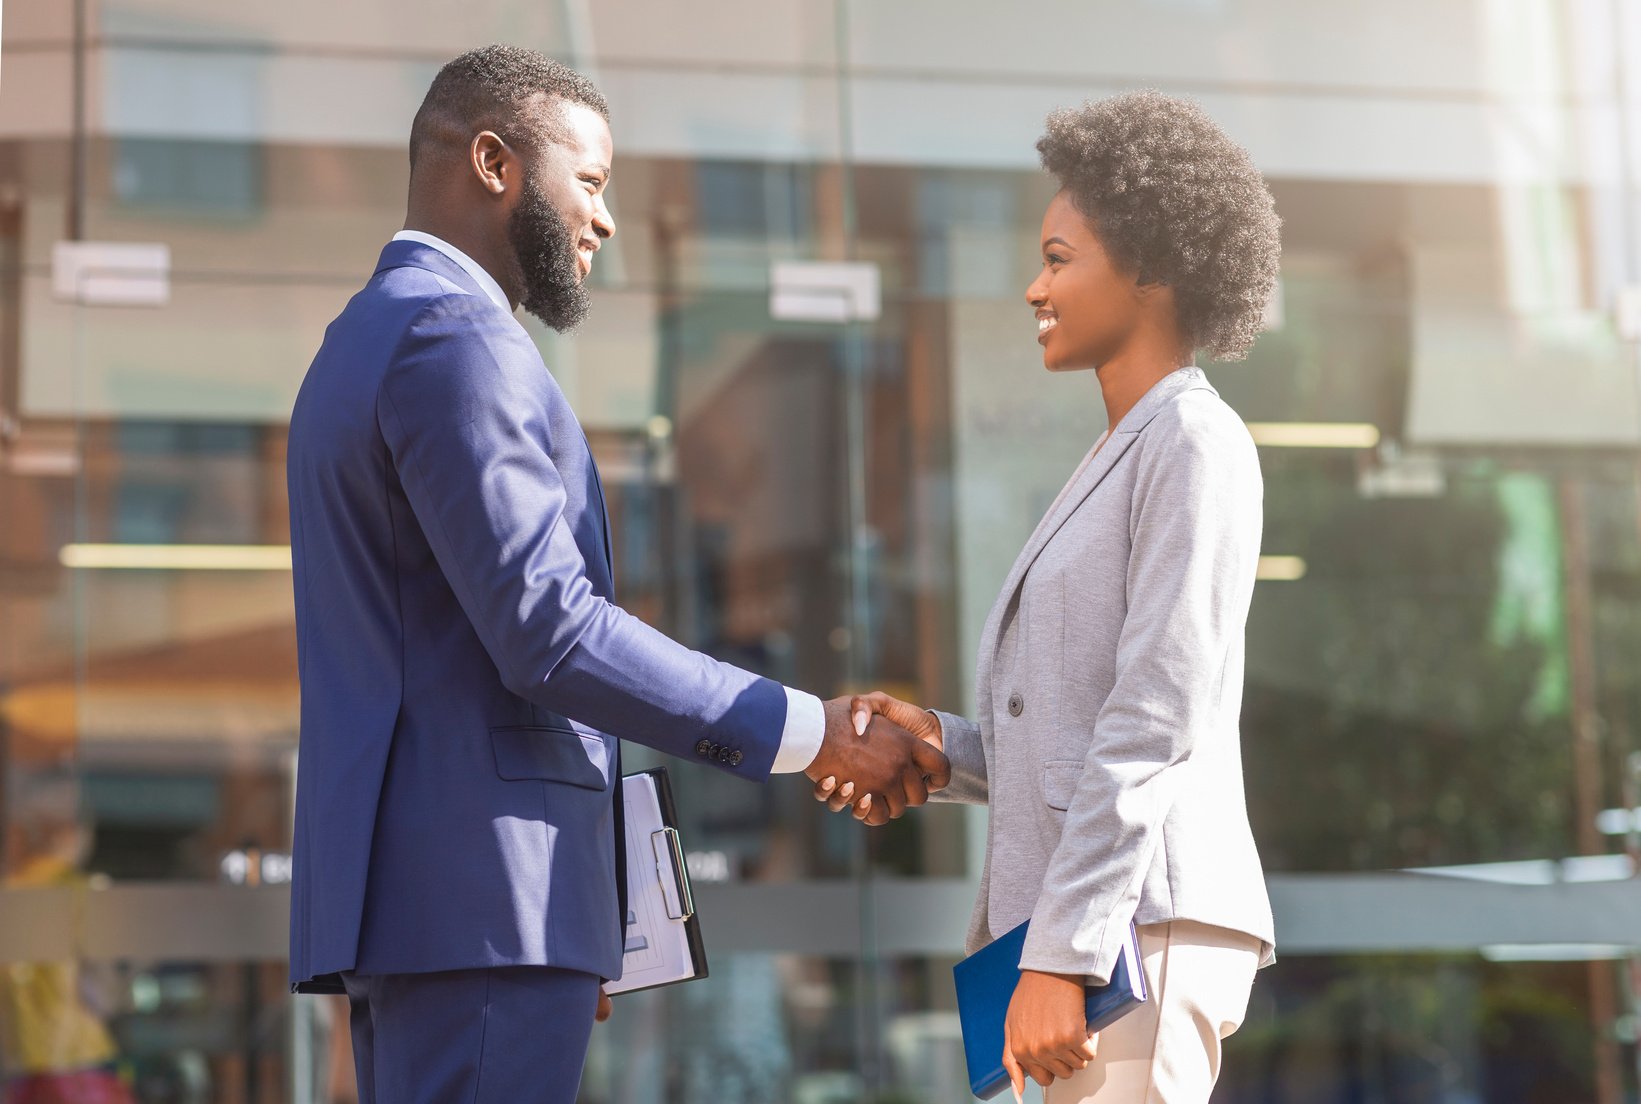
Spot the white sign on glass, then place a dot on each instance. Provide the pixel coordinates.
(825, 291)
(112, 274)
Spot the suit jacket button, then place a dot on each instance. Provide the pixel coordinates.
(724, 753)
(735, 760)
(1017, 704)
(704, 748)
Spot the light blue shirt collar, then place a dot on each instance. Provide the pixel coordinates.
(469, 265)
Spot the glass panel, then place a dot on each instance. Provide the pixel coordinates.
(781, 1027)
(1427, 1029)
(1440, 655)
(188, 1033)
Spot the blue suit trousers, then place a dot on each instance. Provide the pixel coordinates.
(502, 1035)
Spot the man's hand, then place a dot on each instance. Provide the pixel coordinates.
(1046, 1033)
(917, 722)
(890, 769)
(605, 1007)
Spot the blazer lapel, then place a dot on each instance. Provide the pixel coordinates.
(1078, 489)
(1082, 483)
(1076, 492)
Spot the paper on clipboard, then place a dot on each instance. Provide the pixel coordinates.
(663, 938)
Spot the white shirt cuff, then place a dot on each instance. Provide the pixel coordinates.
(804, 732)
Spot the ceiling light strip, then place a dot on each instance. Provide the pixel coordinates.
(177, 557)
(1337, 435)
(1281, 569)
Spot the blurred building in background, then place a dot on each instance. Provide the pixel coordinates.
(812, 384)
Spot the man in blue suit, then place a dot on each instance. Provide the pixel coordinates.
(465, 671)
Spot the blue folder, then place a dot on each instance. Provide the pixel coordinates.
(985, 985)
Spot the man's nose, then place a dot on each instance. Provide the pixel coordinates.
(603, 221)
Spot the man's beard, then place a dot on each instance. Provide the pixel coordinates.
(548, 266)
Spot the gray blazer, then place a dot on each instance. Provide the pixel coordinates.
(1109, 686)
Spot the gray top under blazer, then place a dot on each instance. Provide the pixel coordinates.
(1109, 687)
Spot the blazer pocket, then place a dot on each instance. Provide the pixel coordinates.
(551, 754)
(1060, 778)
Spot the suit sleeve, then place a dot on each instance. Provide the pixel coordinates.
(960, 739)
(1195, 527)
(464, 412)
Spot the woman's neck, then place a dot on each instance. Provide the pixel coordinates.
(1125, 379)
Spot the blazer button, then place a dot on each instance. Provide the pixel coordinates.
(704, 748)
(1017, 704)
(735, 760)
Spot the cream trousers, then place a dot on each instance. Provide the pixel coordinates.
(1167, 1051)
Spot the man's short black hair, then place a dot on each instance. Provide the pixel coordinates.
(496, 88)
(1174, 201)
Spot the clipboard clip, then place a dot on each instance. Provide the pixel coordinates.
(669, 852)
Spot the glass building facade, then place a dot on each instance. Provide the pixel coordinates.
(1442, 723)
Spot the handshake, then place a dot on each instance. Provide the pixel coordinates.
(880, 756)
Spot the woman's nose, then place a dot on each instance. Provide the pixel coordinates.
(1037, 292)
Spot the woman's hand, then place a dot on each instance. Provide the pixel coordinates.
(919, 722)
(1046, 1033)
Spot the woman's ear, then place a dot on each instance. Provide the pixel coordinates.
(1148, 288)
(1147, 284)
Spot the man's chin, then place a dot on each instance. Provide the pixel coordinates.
(561, 317)
(558, 324)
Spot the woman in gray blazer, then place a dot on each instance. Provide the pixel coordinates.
(1109, 679)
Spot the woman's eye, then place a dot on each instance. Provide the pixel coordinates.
(1054, 259)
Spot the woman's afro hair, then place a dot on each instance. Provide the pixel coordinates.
(1174, 201)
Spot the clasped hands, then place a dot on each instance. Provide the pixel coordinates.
(880, 751)
(871, 719)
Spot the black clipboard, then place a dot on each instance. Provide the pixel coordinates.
(663, 932)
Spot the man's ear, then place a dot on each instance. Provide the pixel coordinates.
(492, 160)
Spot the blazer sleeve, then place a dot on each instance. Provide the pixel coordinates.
(961, 742)
(464, 412)
(1195, 524)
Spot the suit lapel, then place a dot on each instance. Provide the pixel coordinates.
(603, 512)
(1076, 492)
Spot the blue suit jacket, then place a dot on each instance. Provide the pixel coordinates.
(463, 666)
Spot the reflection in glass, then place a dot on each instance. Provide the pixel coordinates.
(1449, 681)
